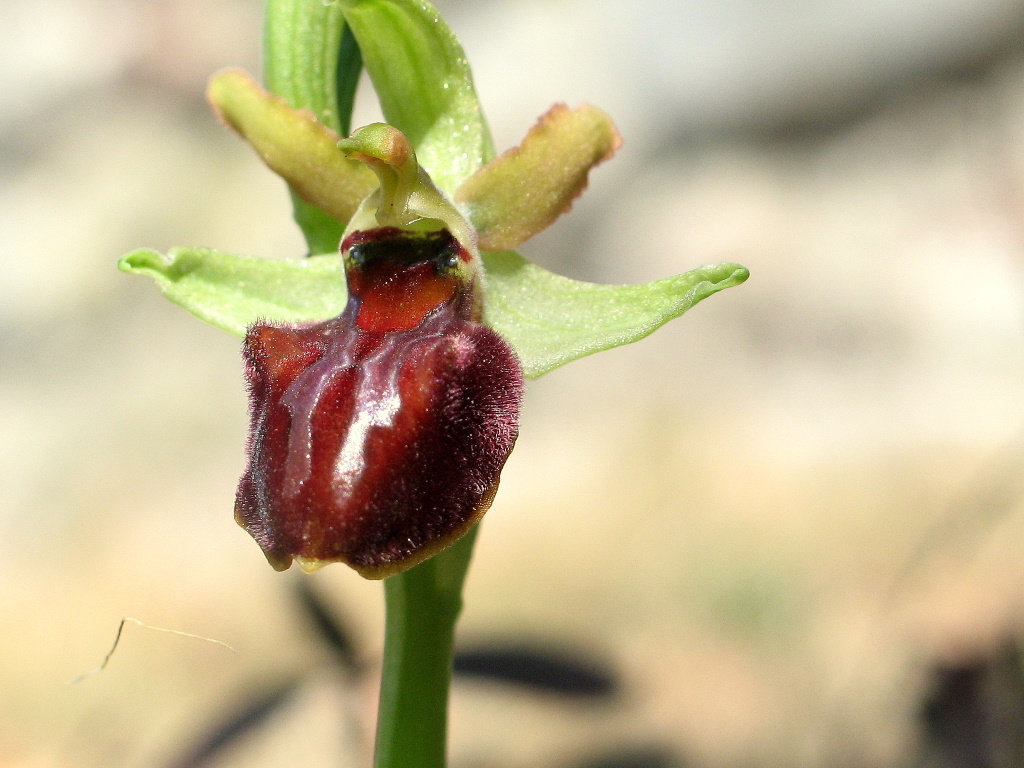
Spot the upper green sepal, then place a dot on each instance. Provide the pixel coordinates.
(548, 319)
(423, 80)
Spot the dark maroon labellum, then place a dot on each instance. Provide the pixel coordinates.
(377, 437)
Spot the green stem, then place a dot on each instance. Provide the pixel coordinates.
(350, 65)
(311, 60)
(423, 605)
(423, 80)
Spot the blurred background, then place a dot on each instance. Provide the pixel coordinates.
(786, 530)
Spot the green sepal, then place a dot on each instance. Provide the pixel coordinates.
(231, 292)
(551, 320)
(548, 319)
(424, 84)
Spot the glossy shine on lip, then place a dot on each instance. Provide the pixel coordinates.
(377, 437)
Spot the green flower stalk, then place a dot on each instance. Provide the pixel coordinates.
(385, 370)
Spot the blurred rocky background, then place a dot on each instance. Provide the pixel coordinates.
(786, 530)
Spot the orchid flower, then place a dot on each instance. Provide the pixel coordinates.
(385, 370)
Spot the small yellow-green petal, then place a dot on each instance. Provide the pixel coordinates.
(293, 144)
(515, 196)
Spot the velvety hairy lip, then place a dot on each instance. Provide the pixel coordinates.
(378, 437)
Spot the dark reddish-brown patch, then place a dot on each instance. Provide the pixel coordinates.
(378, 437)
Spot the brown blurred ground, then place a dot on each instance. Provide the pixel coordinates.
(772, 517)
